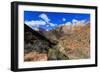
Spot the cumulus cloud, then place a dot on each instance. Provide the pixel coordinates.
(44, 17)
(68, 23)
(64, 19)
(74, 21)
(51, 24)
(47, 20)
(35, 23)
(83, 21)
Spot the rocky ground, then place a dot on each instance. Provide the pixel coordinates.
(62, 45)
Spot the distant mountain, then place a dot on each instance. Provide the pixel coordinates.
(78, 42)
(67, 29)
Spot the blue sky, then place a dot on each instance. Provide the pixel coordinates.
(50, 20)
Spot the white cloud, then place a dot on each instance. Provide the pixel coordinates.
(47, 20)
(44, 17)
(35, 23)
(68, 23)
(74, 21)
(64, 19)
(37, 29)
(47, 25)
(51, 24)
(83, 21)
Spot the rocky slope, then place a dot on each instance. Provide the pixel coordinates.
(35, 45)
(75, 43)
(65, 42)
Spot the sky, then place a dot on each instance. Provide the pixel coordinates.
(50, 20)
